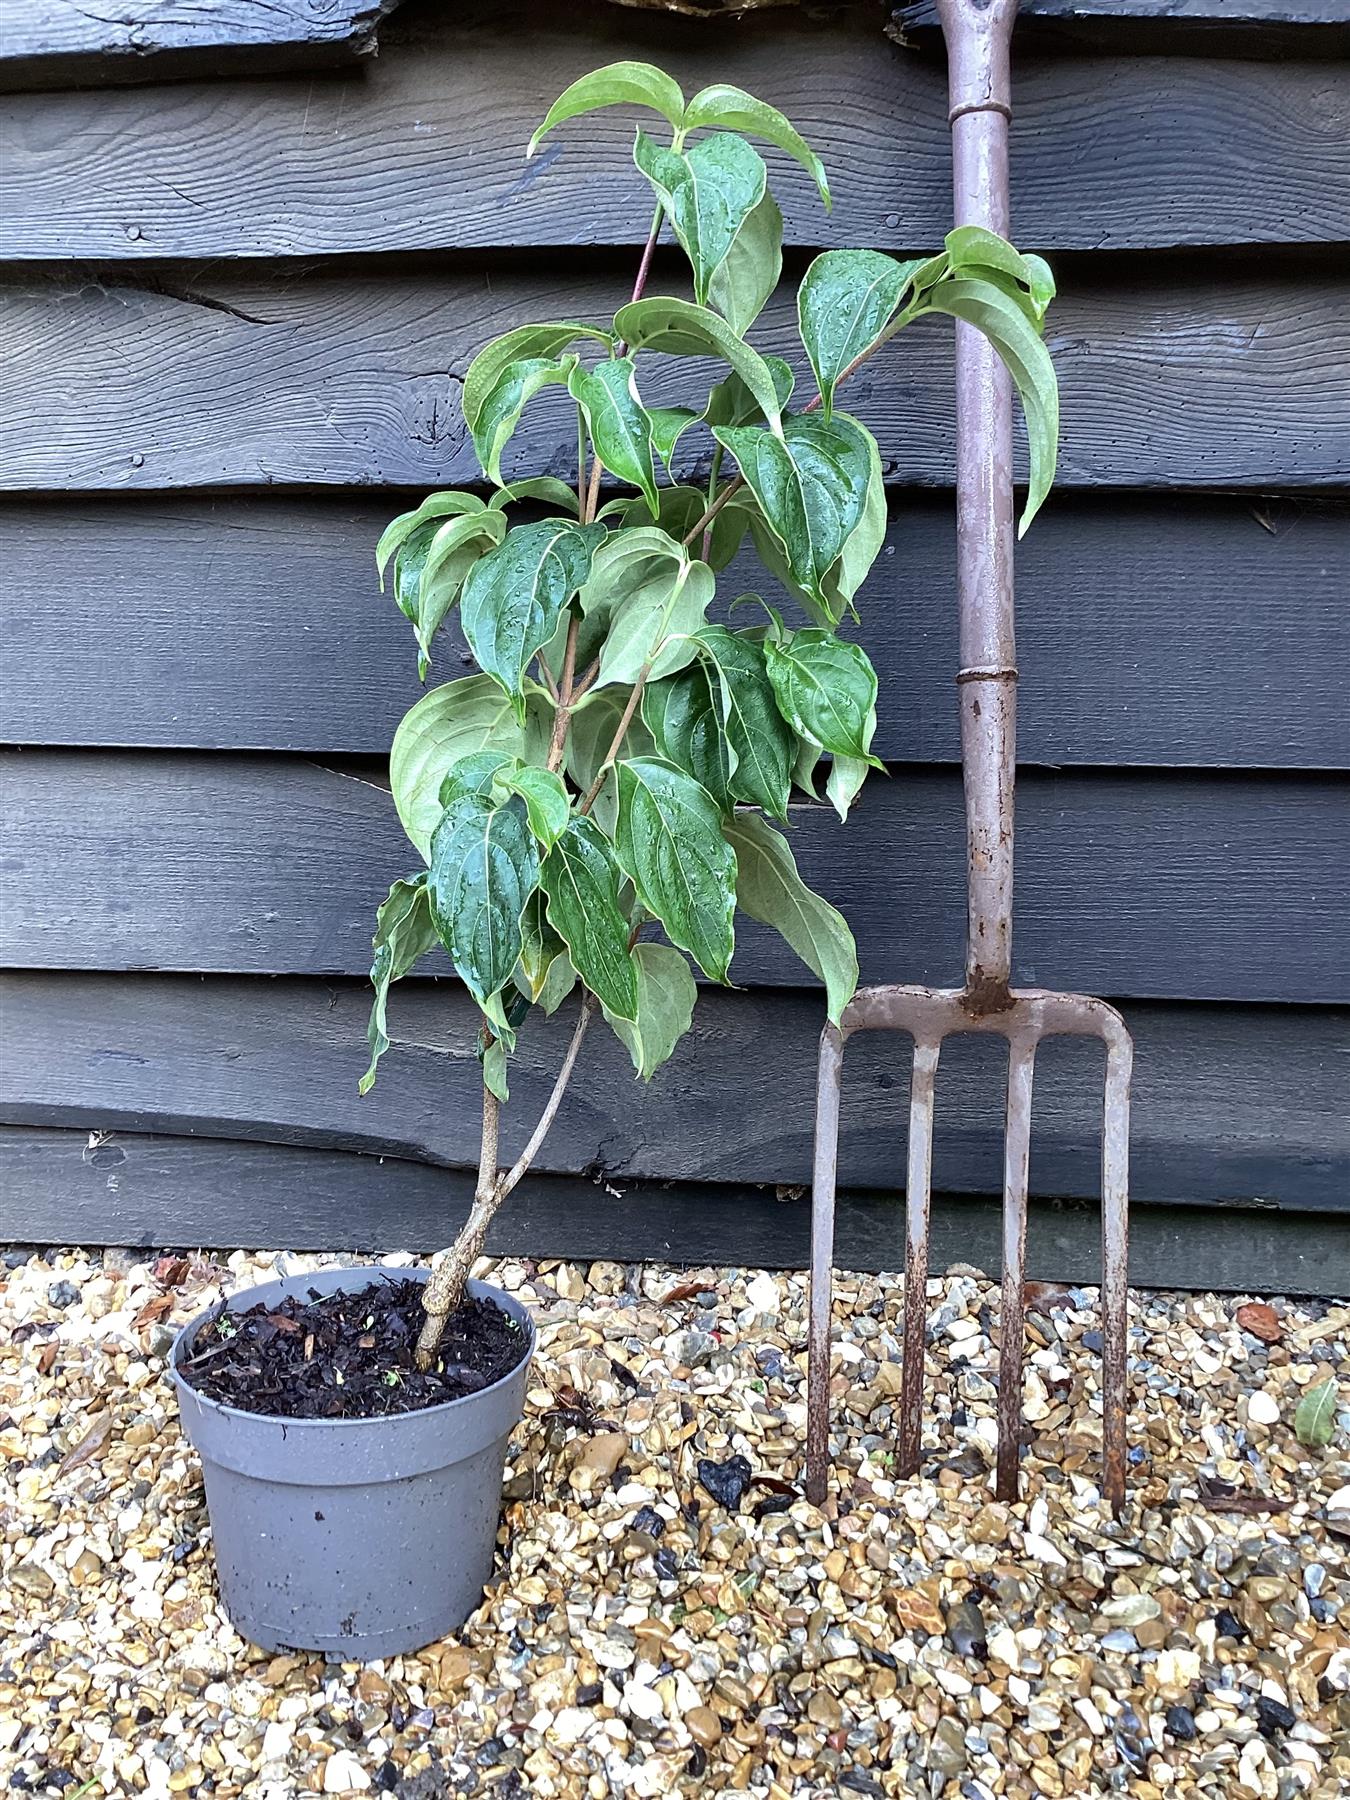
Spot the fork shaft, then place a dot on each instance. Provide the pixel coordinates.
(1115, 1255)
(918, 1199)
(1016, 1170)
(829, 1075)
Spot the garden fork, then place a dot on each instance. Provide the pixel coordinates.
(978, 34)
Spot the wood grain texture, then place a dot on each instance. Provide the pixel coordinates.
(1143, 637)
(1168, 886)
(1245, 28)
(340, 382)
(1232, 1105)
(63, 43)
(59, 1187)
(423, 148)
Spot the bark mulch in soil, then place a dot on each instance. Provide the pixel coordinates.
(348, 1355)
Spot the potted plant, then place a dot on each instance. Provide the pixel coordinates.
(592, 807)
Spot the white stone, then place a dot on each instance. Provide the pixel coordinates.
(571, 1725)
(642, 1701)
(762, 1293)
(344, 1775)
(1263, 1408)
(276, 1743)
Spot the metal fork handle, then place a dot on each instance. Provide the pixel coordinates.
(978, 35)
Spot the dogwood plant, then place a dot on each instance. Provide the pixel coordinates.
(598, 800)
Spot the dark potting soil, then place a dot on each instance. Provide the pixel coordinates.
(348, 1355)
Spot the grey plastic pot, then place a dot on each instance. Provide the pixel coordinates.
(358, 1537)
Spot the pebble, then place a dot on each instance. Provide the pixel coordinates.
(642, 1633)
(1263, 1408)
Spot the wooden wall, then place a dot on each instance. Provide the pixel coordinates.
(241, 282)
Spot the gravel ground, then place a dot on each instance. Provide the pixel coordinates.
(654, 1631)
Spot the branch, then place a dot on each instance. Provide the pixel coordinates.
(522, 1163)
(624, 722)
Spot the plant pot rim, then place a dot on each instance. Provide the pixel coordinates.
(483, 1290)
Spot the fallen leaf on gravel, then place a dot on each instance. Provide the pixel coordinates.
(1315, 1419)
(170, 1270)
(1045, 1296)
(1261, 1320)
(92, 1444)
(153, 1311)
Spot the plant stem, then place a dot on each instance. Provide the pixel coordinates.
(639, 287)
(445, 1290)
(624, 722)
(563, 712)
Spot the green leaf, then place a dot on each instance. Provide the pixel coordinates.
(484, 867)
(454, 549)
(654, 596)
(732, 403)
(735, 110)
(546, 802)
(684, 715)
(810, 484)
(761, 743)
(972, 249)
(494, 1070)
(617, 84)
(1004, 322)
(669, 841)
(619, 426)
(669, 424)
(845, 302)
(665, 1008)
(679, 328)
(540, 948)
(446, 725)
(515, 595)
(403, 933)
(497, 417)
(588, 741)
(525, 343)
(1315, 1417)
(742, 283)
(581, 881)
(540, 487)
(474, 777)
(708, 192)
(826, 689)
(769, 888)
(435, 506)
(409, 562)
(846, 776)
(804, 768)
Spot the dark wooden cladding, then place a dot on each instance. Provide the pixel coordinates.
(1163, 885)
(130, 1187)
(1150, 631)
(278, 1061)
(1246, 28)
(423, 147)
(60, 43)
(234, 380)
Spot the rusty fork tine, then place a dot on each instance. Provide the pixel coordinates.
(918, 1202)
(1012, 1327)
(828, 1083)
(1115, 1251)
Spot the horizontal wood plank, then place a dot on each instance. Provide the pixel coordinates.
(423, 148)
(1246, 28)
(61, 43)
(1168, 886)
(1138, 638)
(283, 379)
(1232, 1105)
(125, 1188)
